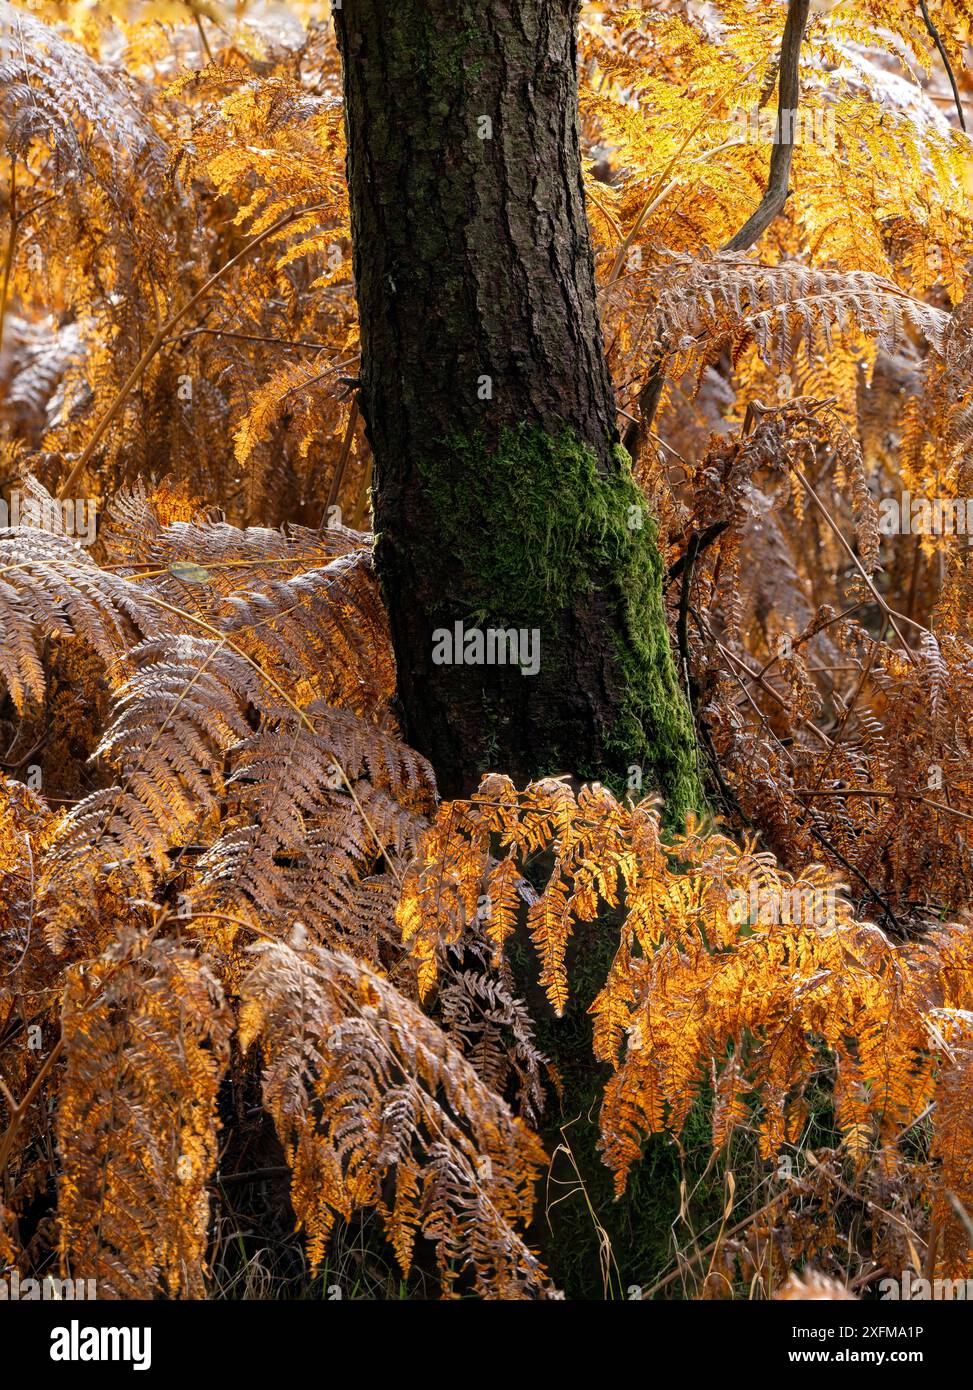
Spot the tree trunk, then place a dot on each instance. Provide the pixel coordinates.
(517, 559)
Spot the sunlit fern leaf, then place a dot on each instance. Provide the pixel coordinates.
(146, 1038)
(139, 534)
(786, 308)
(49, 584)
(953, 1146)
(377, 1107)
(51, 90)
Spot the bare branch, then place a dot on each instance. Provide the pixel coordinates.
(789, 89)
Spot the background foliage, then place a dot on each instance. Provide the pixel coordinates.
(253, 973)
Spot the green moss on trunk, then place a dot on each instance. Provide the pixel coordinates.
(547, 533)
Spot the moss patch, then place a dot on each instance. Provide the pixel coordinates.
(543, 527)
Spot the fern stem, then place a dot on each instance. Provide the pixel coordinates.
(8, 258)
(833, 526)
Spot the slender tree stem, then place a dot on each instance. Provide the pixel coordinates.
(789, 90)
(772, 202)
(8, 258)
(937, 40)
(342, 463)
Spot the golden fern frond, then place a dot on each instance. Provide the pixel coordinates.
(174, 720)
(704, 303)
(146, 1038)
(376, 1107)
(451, 877)
(812, 1286)
(952, 1145)
(761, 1008)
(456, 883)
(296, 388)
(731, 974)
(50, 585)
(30, 982)
(52, 91)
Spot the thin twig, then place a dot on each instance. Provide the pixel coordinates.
(934, 35)
(833, 526)
(8, 258)
(662, 184)
(701, 1254)
(202, 35)
(682, 627)
(250, 338)
(789, 91)
(875, 792)
(19, 1109)
(703, 539)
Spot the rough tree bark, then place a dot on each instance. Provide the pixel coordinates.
(502, 497)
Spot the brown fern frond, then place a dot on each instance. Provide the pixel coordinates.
(50, 585)
(146, 1037)
(481, 1012)
(787, 308)
(376, 1107)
